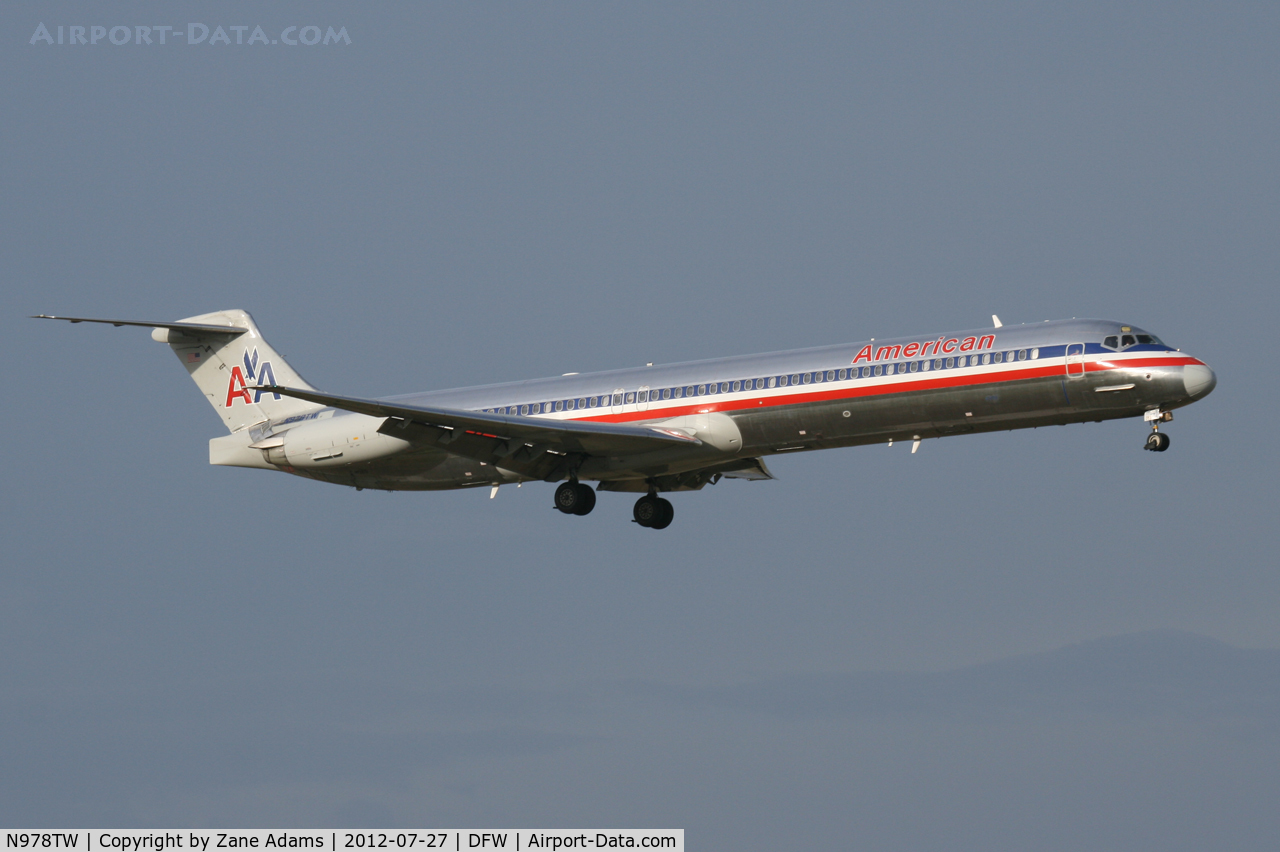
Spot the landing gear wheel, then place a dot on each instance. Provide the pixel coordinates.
(648, 510)
(587, 500)
(665, 515)
(574, 498)
(1157, 442)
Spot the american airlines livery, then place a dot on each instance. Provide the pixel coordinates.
(675, 427)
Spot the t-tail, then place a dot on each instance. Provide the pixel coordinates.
(227, 357)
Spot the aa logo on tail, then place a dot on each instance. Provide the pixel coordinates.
(259, 374)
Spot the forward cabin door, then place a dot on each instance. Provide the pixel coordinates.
(1075, 360)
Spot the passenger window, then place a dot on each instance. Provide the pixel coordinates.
(913, 366)
(1111, 342)
(642, 396)
(795, 378)
(617, 399)
(937, 363)
(1035, 353)
(702, 390)
(691, 391)
(951, 362)
(631, 397)
(1022, 354)
(986, 359)
(1127, 340)
(877, 370)
(560, 405)
(666, 393)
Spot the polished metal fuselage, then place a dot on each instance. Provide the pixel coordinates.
(1059, 373)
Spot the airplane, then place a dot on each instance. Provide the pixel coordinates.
(675, 427)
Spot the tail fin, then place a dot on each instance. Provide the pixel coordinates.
(227, 365)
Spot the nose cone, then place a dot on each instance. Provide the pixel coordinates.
(1198, 380)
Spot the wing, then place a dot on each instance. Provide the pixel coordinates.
(543, 448)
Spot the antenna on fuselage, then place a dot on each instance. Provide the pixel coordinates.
(995, 320)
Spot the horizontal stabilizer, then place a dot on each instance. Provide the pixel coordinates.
(188, 327)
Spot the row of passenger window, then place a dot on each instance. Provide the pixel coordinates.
(645, 396)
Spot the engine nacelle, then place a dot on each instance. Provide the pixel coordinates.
(333, 442)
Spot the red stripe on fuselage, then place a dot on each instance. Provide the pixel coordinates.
(934, 382)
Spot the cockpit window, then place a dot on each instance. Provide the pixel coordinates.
(1150, 339)
(1111, 342)
(1127, 340)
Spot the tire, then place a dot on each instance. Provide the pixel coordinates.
(569, 498)
(666, 514)
(1162, 443)
(648, 510)
(1153, 442)
(586, 500)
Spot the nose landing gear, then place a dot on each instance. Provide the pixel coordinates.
(1157, 441)
(653, 512)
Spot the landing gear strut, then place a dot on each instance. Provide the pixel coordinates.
(1157, 441)
(653, 512)
(574, 498)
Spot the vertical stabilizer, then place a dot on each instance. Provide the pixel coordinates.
(227, 367)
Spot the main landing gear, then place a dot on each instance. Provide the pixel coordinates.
(653, 512)
(1157, 441)
(574, 498)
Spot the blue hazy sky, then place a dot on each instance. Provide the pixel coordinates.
(1004, 641)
